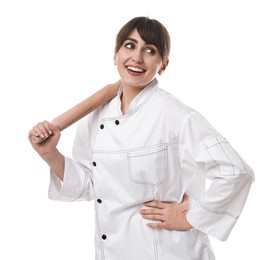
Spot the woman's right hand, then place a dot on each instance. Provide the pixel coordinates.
(45, 129)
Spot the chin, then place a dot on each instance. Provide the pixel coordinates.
(134, 83)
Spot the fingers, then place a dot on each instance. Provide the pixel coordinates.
(163, 205)
(42, 129)
(158, 225)
(155, 212)
(153, 217)
(167, 215)
(156, 204)
(151, 212)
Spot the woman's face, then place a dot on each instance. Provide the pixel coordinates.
(138, 62)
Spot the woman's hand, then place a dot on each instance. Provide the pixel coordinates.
(168, 215)
(45, 129)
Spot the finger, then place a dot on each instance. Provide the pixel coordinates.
(157, 225)
(156, 204)
(42, 128)
(150, 211)
(47, 126)
(185, 198)
(39, 130)
(32, 132)
(153, 217)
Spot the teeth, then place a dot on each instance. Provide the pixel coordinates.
(135, 69)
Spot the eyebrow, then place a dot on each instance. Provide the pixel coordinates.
(134, 40)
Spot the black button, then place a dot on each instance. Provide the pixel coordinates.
(102, 126)
(117, 122)
(99, 200)
(104, 237)
(94, 164)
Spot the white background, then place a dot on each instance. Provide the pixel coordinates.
(224, 62)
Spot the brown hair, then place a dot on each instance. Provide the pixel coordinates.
(150, 30)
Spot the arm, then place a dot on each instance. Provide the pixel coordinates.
(207, 154)
(45, 130)
(70, 179)
(204, 153)
(47, 149)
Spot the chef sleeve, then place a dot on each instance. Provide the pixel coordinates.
(205, 153)
(77, 184)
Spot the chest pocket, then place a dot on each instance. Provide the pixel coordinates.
(148, 165)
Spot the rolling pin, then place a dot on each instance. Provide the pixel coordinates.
(83, 108)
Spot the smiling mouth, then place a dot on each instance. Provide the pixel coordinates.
(135, 70)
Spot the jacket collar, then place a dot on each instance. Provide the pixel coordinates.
(141, 98)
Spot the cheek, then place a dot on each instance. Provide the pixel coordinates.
(116, 58)
(119, 58)
(156, 66)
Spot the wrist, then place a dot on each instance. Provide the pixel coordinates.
(51, 155)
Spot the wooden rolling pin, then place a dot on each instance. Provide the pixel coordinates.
(83, 108)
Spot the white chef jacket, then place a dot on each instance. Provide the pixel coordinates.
(159, 150)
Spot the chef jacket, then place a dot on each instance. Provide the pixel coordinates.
(158, 151)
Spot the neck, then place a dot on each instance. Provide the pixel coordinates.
(128, 94)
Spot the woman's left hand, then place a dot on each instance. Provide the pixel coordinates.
(168, 215)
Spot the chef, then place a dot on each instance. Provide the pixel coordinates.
(144, 158)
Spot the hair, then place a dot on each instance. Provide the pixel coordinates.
(150, 30)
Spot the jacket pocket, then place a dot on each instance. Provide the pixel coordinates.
(225, 157)
(148, 165)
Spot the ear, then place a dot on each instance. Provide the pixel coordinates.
(163, 66)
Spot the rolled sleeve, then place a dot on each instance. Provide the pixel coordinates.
(76, 184)
(218, 208)
(206, 154)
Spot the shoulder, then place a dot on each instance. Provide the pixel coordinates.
(170, 103)
(188, 118)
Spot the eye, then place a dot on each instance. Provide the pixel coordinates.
(150, 51)
(129, 45)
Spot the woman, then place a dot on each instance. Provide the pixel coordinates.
(143, 158)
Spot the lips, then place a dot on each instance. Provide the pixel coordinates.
(136, 71)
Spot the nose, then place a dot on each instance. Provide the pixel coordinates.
(137, 57)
